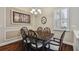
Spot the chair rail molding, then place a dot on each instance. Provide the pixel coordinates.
(12, 28)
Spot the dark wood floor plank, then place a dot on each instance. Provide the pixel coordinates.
(67, 47)
(17, 46)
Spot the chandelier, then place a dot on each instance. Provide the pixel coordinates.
(36, 11)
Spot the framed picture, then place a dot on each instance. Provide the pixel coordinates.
(20, 17)
(43, 20)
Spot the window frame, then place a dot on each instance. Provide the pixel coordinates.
(55, 21)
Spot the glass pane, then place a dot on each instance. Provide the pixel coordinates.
(61, 19)
(64, 13)
(64, 24)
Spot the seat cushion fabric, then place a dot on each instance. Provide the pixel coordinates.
(39, 45)
(53, 47)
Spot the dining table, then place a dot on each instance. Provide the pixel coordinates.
(44, 37)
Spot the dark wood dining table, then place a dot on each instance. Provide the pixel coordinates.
(42, 37)
(45, 37)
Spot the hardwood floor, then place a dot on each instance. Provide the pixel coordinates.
(67, 47)
(18, 46)
(15, 46)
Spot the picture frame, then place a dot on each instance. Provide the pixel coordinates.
(43, 20)
(20, 17)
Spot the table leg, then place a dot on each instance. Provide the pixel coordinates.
(43, 46)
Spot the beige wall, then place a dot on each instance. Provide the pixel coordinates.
(2, 24)
(49, 13)
(13, 28)
(9, 19)
(73, 17)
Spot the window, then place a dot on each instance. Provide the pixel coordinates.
(61, 20)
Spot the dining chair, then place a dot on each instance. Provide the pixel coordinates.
(25, 29)
(25, 39)
(35, 43)
(56, 43)
(39, 30)
(46, 32)
(22, 33)
(47, 29)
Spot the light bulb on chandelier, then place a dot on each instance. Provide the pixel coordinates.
(36, 11)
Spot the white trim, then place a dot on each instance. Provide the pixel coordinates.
(12, 29)
(56, 29)
(59, 28)
(4, 23)
(1, 32)
(8, 41)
